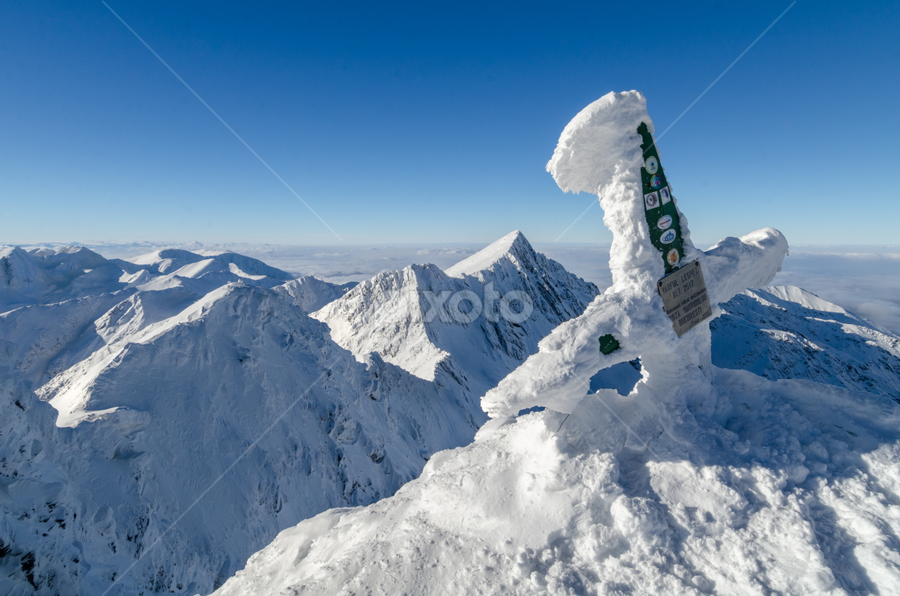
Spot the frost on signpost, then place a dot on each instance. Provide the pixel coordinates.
(662, 216)
(684, 298)
(683, 290)
(664, 292)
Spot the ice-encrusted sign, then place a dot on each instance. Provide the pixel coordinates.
(684, 297)
(608, 150)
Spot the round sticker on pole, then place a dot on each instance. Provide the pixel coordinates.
(651, 165)
(668, 237)
(672, 257)
(651, 201)
(665, 222)
(655, 182)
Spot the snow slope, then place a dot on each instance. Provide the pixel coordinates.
(192, 428)
(784, 332)
(790, 487)
(416, 318)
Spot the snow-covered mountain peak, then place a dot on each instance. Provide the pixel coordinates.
(17, 270)
(44, 275)
(473, 323)
(784, 332)
(514, 245)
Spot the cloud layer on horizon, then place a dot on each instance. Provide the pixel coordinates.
(864, 281)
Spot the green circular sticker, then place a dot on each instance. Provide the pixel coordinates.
(651, 165)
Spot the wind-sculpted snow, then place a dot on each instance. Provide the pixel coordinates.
(788, 333)
(790, 487)
(416, 318)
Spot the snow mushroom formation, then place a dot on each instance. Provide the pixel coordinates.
(600, 152)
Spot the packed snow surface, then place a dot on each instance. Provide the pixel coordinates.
(788, 487)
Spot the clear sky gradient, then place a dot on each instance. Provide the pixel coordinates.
(426, 122)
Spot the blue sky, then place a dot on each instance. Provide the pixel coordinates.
(426, 122)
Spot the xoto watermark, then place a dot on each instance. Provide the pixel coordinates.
(465, 306)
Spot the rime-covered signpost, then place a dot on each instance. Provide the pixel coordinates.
(659, 208)
(664, 292)
(683, 290)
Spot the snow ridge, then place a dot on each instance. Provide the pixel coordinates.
(783, 332)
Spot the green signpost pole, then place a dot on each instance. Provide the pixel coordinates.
(659, 206)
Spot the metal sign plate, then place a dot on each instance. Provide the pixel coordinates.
(684, 297)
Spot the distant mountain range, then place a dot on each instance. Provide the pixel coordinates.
(163, 418)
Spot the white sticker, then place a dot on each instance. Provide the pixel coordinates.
(665, 222)
(665, 195)
(651, 165)
(668, 237)
(672, 257)
(651, 201)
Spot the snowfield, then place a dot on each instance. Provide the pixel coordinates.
(789, 487)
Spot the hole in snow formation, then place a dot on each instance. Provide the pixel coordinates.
(622, 377)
